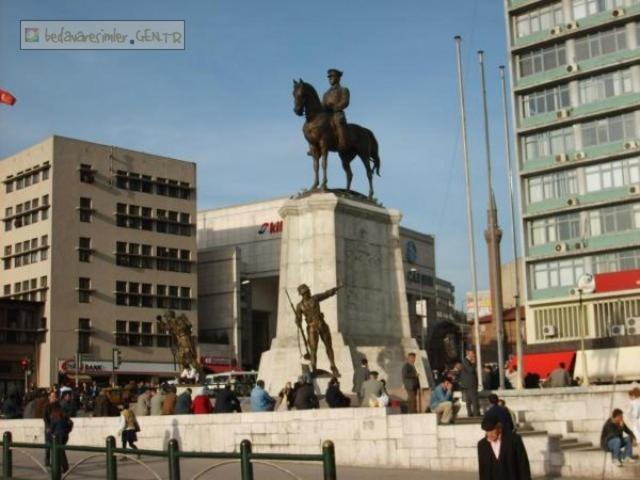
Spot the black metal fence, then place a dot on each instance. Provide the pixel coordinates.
(173, 455)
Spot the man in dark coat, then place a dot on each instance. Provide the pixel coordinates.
(411, 383)
(305, 398)
(226, 401)
(503, 414)
(469, 383)
(617, 439)
(501, 455)
(334, 396)
(360, 375)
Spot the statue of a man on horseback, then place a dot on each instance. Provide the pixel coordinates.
(326, 130)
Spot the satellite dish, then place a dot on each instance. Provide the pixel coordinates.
(587, 283)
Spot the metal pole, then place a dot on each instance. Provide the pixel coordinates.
(583, 353)
(174, 460)
(246, 467)
(423, 304)
(55, 460)
(514, 243)
(467, 184)
(492, 235)
(329, 461)
(7, 456)
(112, 464)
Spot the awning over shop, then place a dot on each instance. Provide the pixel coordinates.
(544, 363)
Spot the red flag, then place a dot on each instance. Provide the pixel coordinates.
(6, 97)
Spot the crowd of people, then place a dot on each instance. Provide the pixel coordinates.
(501, 452)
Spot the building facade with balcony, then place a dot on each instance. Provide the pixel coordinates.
(105, 238)
(575, 76)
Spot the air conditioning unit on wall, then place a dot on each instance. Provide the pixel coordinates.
(572, 25)
(618, 12)
(632, 325)
(549, 331)
(561, 247)
(616, 330)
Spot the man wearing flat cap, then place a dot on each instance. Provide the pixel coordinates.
(501, 454)
(335, 101)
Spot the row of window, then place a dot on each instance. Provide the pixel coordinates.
(141, 334)
(592, 45)
(593, 178)
(565, 273)
(166, 221)
(26, 253)
(26, 213)
(582, 225)
(28, 289)
(27, 178)
(134, 294)
(590, 90)
(550, 16)
(141, 256)
(159, 186)
(595, 132)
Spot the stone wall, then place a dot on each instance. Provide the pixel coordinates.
(362, 436)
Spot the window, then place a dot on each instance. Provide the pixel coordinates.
(607, 130)
(7, 289)
(620, 218)
(84, 335)
(604, 86)
(84, 249)
(121, 333)
(539, 19)
(9, 187)
(45, 174)
(544, 101)
(563, 273)
(601, 43)
(541, 60)
(549, 142)
(84, 290)
(86, 173)
(585, 8)
(618, 261)
(121, 292)
(612, 174)
(85, 209)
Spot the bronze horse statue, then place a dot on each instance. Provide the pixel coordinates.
(322, 138)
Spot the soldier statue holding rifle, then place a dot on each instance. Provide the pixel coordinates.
(309, 307)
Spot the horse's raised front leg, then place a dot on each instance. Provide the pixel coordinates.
(316, 167)
(325, 154)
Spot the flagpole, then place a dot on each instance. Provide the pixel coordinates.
(467, 185)
(514, 245)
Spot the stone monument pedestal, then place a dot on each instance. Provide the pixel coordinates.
(331, 240)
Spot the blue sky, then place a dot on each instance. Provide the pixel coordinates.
(225, 102)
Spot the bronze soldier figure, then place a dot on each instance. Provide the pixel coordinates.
(335, 101)
(179, 328)
(309, 306)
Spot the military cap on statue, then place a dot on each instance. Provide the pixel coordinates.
(333, 71)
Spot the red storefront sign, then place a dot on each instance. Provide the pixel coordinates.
(614, 281)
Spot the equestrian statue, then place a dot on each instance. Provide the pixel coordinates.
(326, 129)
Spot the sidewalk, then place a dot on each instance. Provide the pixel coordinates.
(94, 468)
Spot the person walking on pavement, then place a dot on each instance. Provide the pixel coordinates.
(411, 383)
(128, 428)
(60, 426)
(501, 454)
(469, 383)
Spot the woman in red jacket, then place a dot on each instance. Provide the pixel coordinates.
(202, 404)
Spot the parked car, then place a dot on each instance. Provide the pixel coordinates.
(241, 382)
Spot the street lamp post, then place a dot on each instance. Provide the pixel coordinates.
(423, 310)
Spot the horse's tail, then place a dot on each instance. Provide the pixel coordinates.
(374, 152)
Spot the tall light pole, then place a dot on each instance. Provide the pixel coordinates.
(423, 310)
(467, 185)
(493, 235)
(514, 243)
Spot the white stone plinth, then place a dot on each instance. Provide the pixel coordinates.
(327, 241)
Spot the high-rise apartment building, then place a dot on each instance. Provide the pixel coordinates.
(575, 70)
(106, 238)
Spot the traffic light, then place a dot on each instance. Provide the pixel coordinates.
(25, 363)
(116, 358)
